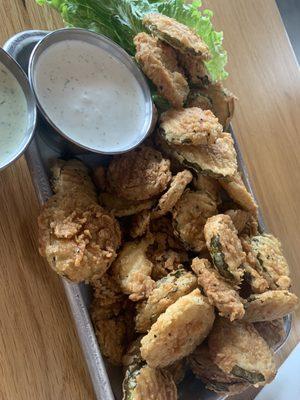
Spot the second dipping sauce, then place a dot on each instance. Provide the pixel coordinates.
(90, 95)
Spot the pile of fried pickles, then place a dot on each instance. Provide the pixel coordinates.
(167, 236)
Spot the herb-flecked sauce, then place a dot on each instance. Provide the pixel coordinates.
(13, 115)
(90, 95)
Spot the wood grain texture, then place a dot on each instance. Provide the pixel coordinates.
(40, 356)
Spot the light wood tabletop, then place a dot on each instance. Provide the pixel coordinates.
(40, 356)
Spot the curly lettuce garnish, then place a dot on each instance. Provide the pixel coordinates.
(121, 20)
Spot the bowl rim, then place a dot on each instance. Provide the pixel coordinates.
(63, 34)
(17, 71)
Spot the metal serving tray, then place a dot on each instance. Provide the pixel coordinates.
(106, 378)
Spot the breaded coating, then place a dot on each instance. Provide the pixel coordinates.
(78, 238)
(269, 261)
(217, 160)
(120, 207)
(270, 305)
(169, 199)
(272, 331)
(220, 98)
(163, 233)
(159, 63)
(133, 357)
(189, 217)
(244, 222)
(132, 270)
(195, 70)
(176, 35)
(214, 378)
(238, 349)
(166, 292)
(237, 190)
(218, 291)
(189, 126)
(197, 99)
(143, 382)
(99, 178)
(257, 282)
(208, 185)
(165, 260)
(178, 331)
(178, 370)
(111, 335)
(225, 247)
(70, 176)
(140, 224)
(140, 174)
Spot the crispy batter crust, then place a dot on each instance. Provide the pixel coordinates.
(178, 370)
(169, 199)
(237, 190)
(217, 160)
(148, 383)
(270, 305)
(191, 126)
(218, 291)
(195, 70)
(159, 63)
(214, 378)
(140, 224)
(268, 259)
(244, 222)
(72, 175)
(139, 175)
(189, 217)
(225, 247)
(120, 207)
(99, 178)
(208, 185)
(167, 291)
(256, 281)
(178, 331)
(78, 238)
(176, 35)
(132, 270)
(231, 347)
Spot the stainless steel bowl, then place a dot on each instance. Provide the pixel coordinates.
(106, 44)
(19, 74)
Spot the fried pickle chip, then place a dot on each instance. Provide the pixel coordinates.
(166, 292)
(237, 190)
(270, 261)
(197, 99)
(139, 224)
(270, 305)
(189, 126)
(142, 382)
(178, 331)
(132, 270)
(218, 291)
(217, 160)
(176, 35)
(189, 217)
(232, 345)
(78, 238)
(272, 331)
(99, 178)
(165, 261)
(221, 99)
(159, 63)
(72, 175)
(208, 185)
(214, 378)
(195, 70)
(225, 247)
(257, 282)
(244, 222)
(169, 199)
(140, 174)
(120, 207)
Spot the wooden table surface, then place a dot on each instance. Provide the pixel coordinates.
(40, 357)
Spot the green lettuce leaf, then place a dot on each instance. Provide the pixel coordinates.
(121, 20)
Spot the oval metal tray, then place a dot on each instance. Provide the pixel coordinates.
(106, 379)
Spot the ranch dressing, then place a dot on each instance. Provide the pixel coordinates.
(90, 95)
(13, 115)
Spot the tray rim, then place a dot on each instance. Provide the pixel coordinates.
(88, 341)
